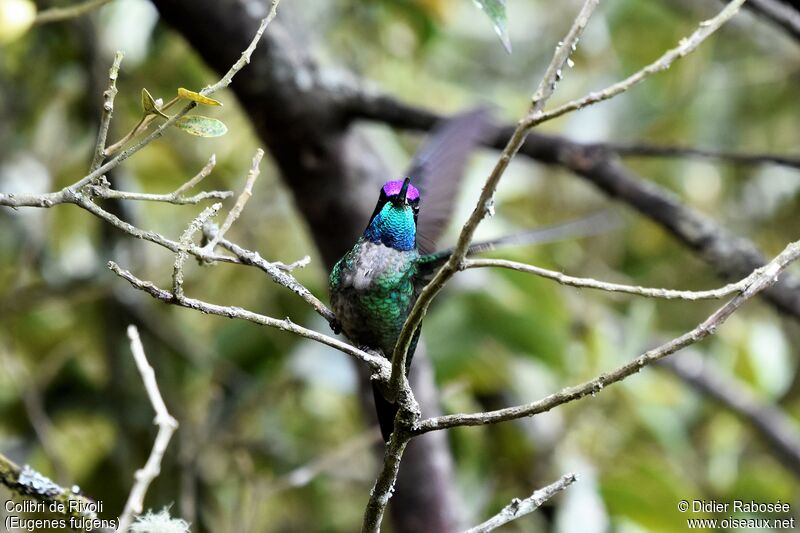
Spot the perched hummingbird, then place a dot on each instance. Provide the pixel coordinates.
(374, 286)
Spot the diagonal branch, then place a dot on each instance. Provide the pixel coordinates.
(686, 46)
(236, 210)
(486, 199)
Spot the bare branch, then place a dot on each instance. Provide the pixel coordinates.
(102, 189)
(166, 198)
(245, 58)
(166, 427)
(276, 271)
(686, 46)
(518, 508)
(589, 283)
(186, 242)
(236, 210)
(108, 110)
(57, 14)
(200, 176)
(485, 201)
(765, 278)
(378, 364)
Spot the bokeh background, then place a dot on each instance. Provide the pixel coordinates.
(272, 435)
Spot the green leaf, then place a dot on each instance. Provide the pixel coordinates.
(496, 11)
(202, 126)
(149, 105)
(197, 97)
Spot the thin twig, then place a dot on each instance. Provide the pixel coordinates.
(277, 271)
(56, 14)
(166, 427)
(245, 57)
(166, 198)
(589, 283)
(378, 364)
(765, 278)
(102, 189)
(108, 110)
(518, 508)
(686, 46)
(200, 176)
(186, 242)
(241, 201)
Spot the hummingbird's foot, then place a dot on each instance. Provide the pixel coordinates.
(335, 325)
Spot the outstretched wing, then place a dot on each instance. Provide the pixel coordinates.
(437, 169)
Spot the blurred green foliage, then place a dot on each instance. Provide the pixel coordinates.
(255, 404)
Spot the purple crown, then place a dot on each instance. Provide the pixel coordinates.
(392, 188)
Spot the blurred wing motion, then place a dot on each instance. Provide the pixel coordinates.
(594, 224)
(437, 170)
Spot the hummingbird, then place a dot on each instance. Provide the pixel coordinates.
(376, 283)
(374, 286)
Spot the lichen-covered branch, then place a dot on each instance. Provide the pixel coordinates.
(26, 481)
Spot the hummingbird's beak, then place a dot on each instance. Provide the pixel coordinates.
(404, 191)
